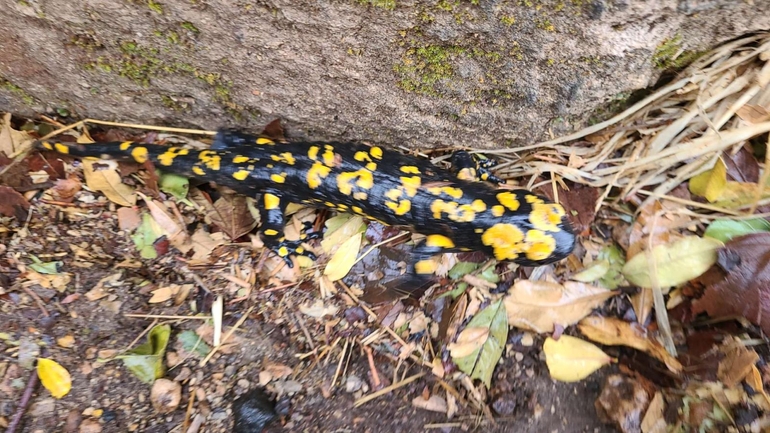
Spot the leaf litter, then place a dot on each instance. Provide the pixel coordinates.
(622, 185)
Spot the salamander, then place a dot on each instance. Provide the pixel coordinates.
(454, 209)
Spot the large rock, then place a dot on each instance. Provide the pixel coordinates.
(478, 73)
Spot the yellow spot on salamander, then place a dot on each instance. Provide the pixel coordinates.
(62, 148)
(241, 174)
(167, 158)
(467, 173)
(376, 152)
(505, 240)
(278, 178)
(271, 232)
(410, 169)
(240, 159)
(440, 241)
(283, 251)
(362, 156)
(271, 201)
(478, 205)
(411, 184)
(401, 208)
(540, 245)
(210, 159)
(365, 179)
(509, 200)
(47, 145)
(546, 217)
(371, 166)
(263, 140)
(360, 195)
(423, 267)
(286, 157)
(357, 209)
(498, 210)
(328, 156)
(125, 145)
(139, 154)
(198, 171)
(393, 194)
(316, 174)
(312, 153)
(532, 199)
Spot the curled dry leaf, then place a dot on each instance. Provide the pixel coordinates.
(571, 359)
(434, 403)
(539, 305)
(674, 263)
(615, 332)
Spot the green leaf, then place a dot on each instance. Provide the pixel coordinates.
(490, 274)
(481, 362)
(146, 361)
(726, 229)
(146, 235)
(177, 186)
(50, 268)
(616, 258)
(461, 269)
(193, 343)
(675, 263)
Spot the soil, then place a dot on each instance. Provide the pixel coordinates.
(106, 397)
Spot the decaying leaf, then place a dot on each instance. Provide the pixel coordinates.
(340, 229)
(491, 326)
(539, 305)
(232, 216)
(746, 289)
(344, 258)
(12, 142)
(13, 204)
(103, 176)
(615, 332)
(674, 263)
(55, 378)
(571, 359)
(737, 363)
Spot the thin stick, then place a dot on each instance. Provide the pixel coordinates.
(367, 398)
(151, 127)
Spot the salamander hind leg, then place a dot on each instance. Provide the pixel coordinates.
(473, 167)
(271, 211)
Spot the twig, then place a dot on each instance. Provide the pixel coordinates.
(367, 398)
(26, 397)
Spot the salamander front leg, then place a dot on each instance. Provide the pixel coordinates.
(271, 211)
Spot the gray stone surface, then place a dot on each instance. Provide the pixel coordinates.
(451, 72)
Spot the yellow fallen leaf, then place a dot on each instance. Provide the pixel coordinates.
(675, 263)
(571, 359)
(55, 378)
(711, 183)
(615, 332)
(539, 305)
(344, 259)
(105, 178)
(341, 231)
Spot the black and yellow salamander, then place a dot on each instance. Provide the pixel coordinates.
(455, 211)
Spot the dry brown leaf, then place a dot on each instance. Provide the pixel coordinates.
(128, 218)
(100, 290)
(737, 363)
(203, 243)
(539, 305)
(753, 114)
(231, 214)
(103, 176)
(433, 403)
(12, 141)
(615, 332)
